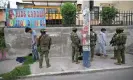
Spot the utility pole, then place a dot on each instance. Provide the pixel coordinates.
(86, 6)
(86, 33)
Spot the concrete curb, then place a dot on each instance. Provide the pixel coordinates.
(76, 72)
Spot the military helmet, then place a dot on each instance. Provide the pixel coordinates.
(91, 29)
(117, 29)
(74, 28)
(121, 29)
(43, 30)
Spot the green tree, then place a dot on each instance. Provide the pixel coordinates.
(68, 12)
(108, 14)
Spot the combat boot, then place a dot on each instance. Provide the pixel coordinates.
(117, 63)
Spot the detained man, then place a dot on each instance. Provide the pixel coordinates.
(34, 42)
(102, 43)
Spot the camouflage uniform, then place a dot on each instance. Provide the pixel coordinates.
(75, 45)
(44, 44)
(113, 43)
(93, 39)
(120, 42)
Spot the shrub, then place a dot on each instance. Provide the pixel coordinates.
(29, 60)
(22, 70)
(108, 14)
(18, 71)
(68, 12)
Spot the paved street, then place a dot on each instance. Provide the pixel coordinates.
(126, 74)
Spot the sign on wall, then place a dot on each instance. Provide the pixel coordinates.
(21, 18)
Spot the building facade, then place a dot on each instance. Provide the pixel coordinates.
(125, 9)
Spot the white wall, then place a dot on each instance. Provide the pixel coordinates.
(120, 5)
(124, 5)
(98, 3)
(13, 3)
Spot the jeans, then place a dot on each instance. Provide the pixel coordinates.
(35, 53)
(86, 60)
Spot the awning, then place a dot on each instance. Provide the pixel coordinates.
(25, 3)
(50, 2)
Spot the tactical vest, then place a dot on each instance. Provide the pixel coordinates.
(93, 38)
(75, 39)
(121, 39)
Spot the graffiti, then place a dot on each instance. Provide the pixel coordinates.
(86, 15)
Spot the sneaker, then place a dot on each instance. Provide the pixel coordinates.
(98, 54)
(106, 55)
(101, 55)
(77, 62)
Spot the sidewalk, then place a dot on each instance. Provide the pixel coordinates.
(8, 65)
(63, 65)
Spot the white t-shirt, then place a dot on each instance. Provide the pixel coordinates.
(102, 38)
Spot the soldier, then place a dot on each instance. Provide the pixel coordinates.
(93, 39)
(75, 45)
(120, 43)
(102, 42)
(44, 43)
(113, 43)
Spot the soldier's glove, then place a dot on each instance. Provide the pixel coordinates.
(111, 43)
(49, 47)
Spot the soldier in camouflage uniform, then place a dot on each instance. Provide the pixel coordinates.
(93, 39)
(120, 43)
(75, 45)
(44, 43)
(113, 43)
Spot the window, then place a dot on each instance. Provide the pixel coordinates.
(96, 12)
(51, 10)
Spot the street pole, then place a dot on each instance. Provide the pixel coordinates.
(86, 33)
